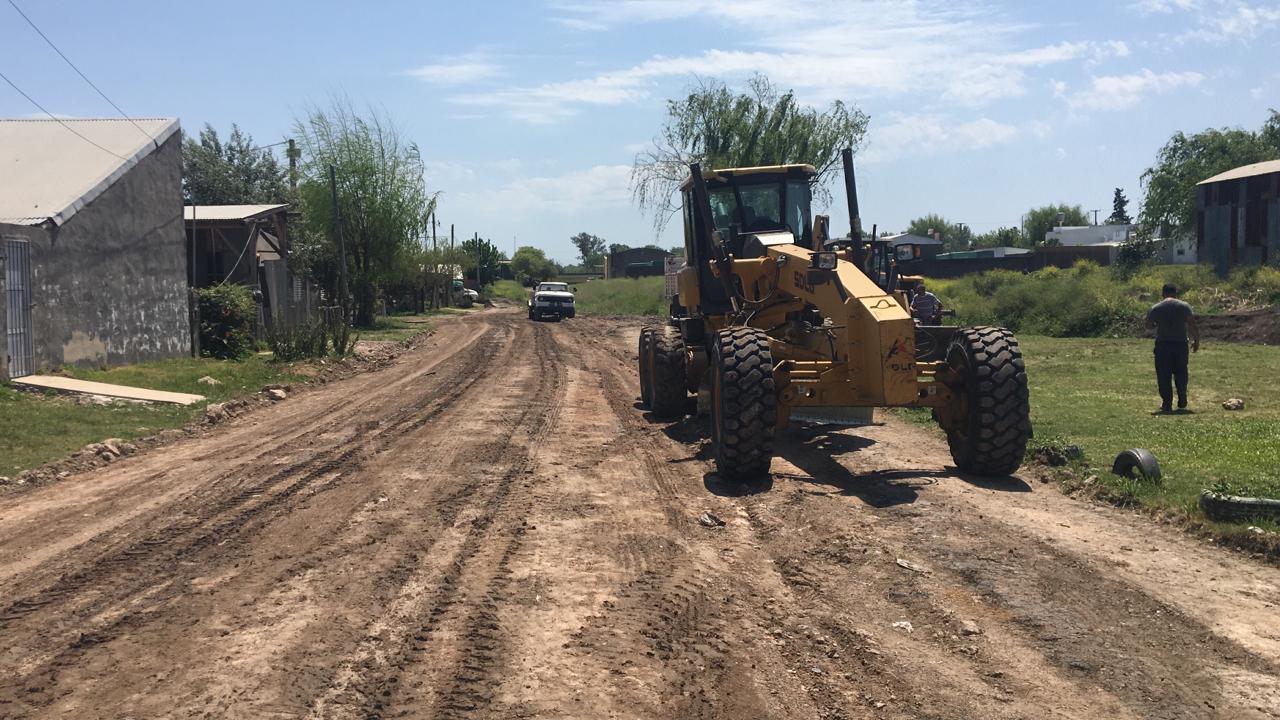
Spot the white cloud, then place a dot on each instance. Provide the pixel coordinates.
(462, 70)
(1121, 92)
(1218, 22)
(824, 50)
(1153, 7)
(597, 187)
(922, 135)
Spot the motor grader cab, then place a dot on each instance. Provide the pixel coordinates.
(776, 321)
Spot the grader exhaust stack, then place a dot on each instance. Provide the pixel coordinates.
(771, 327)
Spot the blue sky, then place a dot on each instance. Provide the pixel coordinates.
(529, 114)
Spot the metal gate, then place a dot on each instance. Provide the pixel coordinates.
(17, 282)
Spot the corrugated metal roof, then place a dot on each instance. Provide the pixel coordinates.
(47, 172)
(1244, 171)
(228, 212)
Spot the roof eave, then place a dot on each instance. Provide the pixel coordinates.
(60, 218)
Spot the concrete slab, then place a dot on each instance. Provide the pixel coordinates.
(65, 384)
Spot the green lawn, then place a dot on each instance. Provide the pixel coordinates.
(509, 289)
(38, 428)
(1099, 394)
(622, 296)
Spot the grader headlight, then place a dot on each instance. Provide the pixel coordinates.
(823, 261)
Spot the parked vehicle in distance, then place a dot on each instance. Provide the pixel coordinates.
(551, 299)
(463, 297)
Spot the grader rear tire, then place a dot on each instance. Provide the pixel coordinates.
(744, 408)
(668, 384)
(645, 362)
(997, 423)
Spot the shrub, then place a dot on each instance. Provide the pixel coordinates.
(227, 317)
(1088, 301)
(307, 340)
(312, 338)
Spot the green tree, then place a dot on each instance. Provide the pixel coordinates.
(1186, 160)
(954, 236)
(1041, 220)
(1000, 237)
(1119, 209)
(721, 128)
(590, 248)
(531, 265)
(231, 172)
(481, 253)
(618, 247)
(383, 202)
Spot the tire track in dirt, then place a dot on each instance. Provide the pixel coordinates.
(1005, 669)
(139, 597)
(462, 607)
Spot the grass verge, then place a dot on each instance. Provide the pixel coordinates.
(38, 428)
(1098, 394)
(403, 327)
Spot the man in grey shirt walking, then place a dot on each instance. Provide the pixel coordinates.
(1172, 318)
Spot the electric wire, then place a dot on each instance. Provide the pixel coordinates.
(57, 119)
(81, 74)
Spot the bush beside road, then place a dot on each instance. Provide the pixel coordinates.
(1090, 301)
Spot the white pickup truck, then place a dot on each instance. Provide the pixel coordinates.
(551, 299)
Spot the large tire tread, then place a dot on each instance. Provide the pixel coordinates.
(747, 404)
(667, 386)
(999, 420)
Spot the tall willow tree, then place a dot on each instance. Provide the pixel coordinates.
(383, 202)
(720, 128)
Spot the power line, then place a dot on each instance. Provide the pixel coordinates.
(58, 120)
(82, 75)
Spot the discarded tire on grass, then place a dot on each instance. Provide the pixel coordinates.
(1234, 508)
(1137, 464)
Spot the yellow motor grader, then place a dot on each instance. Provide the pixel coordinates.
(777, 321)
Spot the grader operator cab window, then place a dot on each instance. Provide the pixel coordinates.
(763, 207)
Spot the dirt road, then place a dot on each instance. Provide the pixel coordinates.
(489, 528)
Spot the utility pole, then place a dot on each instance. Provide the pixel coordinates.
(476, 238)
(342, 246)
(434, 223)
(1095, 217)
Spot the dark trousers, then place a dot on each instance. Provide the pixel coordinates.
(1171, 369)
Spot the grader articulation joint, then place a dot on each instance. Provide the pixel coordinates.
(775, 321)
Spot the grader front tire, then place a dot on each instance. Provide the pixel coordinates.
(992, 435)
(743, 404)
(668, 384)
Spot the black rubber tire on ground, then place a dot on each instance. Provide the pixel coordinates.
(744, 407)
(1233, 508)
(644, 361)
(668, 384)
(532, 315)
(994, 386)
(1137, 464)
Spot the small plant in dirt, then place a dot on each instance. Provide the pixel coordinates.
(227, 316)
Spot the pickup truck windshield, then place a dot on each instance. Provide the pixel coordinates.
(553, 287)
